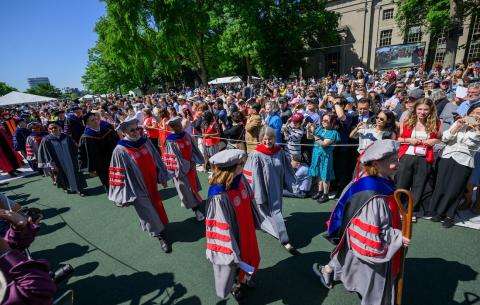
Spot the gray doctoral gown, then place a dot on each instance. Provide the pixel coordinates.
(179, 167)
(32, 149)
(363, 259)
(32, 153)
(61, 154)
(223, 240)
(268, 176)
(131, 188)
(224, 252)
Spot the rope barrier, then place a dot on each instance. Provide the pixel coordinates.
(286, 144)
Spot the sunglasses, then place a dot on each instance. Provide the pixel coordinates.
(381, 119)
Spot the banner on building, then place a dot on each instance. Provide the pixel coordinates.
(399, 56)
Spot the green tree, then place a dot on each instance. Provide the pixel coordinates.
(270, 37)
(45, 89)
(102, 76)
(184, 30)
(4, 89)
(144, 42)
(437, 16)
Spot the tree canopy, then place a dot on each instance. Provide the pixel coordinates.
(142, 43)
(45, 89)
(434, 15)
(5, 89)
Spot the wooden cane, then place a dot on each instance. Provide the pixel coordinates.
(406, 232)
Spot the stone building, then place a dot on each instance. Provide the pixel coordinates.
(365, 25)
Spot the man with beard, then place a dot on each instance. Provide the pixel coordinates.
(96, 147)
(59, 153)
(135, 170)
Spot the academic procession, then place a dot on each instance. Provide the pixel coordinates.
(334, 185)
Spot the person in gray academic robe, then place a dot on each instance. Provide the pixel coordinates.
(221, 220)
(367, 257)
(132, 189)
(181, 156)
(232, 246)
(58, 152)
(269, 172)
(365, 267)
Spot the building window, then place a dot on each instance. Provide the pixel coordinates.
(385, 38)
(414, 34)
(474, 46)
(388, 14)
(441, 49)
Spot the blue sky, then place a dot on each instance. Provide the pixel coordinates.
(46, 38)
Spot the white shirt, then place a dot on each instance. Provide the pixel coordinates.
(367, 136)
(420, 135)
(461, 146)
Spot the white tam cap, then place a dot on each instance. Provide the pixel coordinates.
(379, 150)
(228, 157)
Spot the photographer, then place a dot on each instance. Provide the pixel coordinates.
(28, 281)
(456, 160)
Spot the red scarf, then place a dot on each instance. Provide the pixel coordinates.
(268, 151)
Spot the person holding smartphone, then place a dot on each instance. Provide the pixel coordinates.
(456, 160)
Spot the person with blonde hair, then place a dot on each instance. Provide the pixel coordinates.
(232, 245)
(420, 131)
(269, 172)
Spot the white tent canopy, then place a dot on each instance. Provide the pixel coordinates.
(87, 97)
(15, 97)
(226, 80)
(231, 80)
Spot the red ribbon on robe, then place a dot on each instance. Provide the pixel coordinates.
(249, 252)
(146, 164)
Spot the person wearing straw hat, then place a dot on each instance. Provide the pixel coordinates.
(269, 172)
(365, 225)
(232, 245)
(135, 169)
(181, 156)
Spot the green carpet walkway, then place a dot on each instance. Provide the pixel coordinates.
(116, 263)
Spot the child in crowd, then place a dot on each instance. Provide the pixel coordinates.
(293, 133)
(303, 181)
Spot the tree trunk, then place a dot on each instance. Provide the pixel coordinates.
(456, 20)
(248, 65)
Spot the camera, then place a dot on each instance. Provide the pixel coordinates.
(61, 273)
(33, 213)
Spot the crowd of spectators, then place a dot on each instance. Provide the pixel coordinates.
(324, 125)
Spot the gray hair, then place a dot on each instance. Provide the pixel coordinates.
(267, 131)
(475, 85)
(274, 106)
